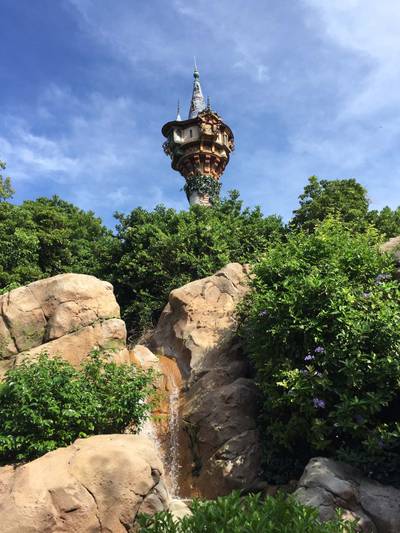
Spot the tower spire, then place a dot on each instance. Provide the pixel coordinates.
(197, 102)
(178, 112)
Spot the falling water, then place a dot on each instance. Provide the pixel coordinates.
(163, 428)
(173, 437)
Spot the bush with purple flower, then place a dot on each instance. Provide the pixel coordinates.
(328, 365)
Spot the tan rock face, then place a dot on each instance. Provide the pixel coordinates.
(328, 485)
(219, 405)
(66, 315)
(97, 484)
(199, 319)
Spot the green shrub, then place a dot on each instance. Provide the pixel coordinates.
(250, 514)
(47, 403)
(322, 328)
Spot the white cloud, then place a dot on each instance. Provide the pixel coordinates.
(370, 29)
(92, 146)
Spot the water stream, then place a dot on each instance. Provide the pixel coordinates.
(163, 429)
(173, 437)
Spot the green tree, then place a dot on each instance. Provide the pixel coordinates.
(163, 249)
(48, 236)
(6, 190)
(46, 404)
(321, 327)
(386, 221)
(346, 199)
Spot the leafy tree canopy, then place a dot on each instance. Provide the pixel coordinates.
(157, 251)
(386, 221)
(346, 199)
(45, 237)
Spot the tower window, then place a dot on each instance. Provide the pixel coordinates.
(191, 133)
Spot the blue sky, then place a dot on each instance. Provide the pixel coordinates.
(307, 86)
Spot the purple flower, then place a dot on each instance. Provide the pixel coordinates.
(304, 371)
(318, 374)
(263, 313)
(319, 349)
(366, 294)
(309, 357)
(319, 404)
(380, 278)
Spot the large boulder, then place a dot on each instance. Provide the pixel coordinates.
(98, 484)
(219, 404)
(66, 315)
(328, 485)
(198, 321)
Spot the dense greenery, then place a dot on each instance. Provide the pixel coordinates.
(386, 221)
(46, 404)
(161, 250)
(321, 324)
(45, 237)
(346, 199)
(322, 327)
(250, 514)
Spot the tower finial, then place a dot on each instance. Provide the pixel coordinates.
(197, 103)
(178, 112)
(208, 104)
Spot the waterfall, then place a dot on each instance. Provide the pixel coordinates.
(163, 428)
(173, 438)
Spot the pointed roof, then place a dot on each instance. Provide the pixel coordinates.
(197, 103)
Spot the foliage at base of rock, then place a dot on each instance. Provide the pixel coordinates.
(322, 329)
(47, 403)
(233, 514)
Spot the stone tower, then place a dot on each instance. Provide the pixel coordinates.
(199, 147)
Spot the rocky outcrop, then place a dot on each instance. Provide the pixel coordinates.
(97, 484)
(219, 406)
(65, 315)
(328, 485)
(198, 323)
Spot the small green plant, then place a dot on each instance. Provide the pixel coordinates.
(250, 514)
(322, 328)
(47, 403)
